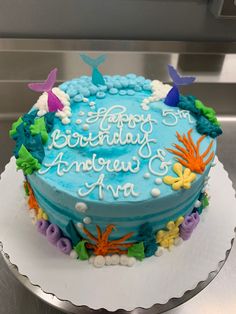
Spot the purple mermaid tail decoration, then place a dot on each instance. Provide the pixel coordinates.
(54, 102)
(172, 98)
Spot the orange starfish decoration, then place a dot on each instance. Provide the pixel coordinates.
(189, 155)
(103, 246)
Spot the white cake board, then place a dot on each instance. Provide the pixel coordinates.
(155, 280)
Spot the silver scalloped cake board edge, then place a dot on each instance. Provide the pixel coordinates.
(210, 276)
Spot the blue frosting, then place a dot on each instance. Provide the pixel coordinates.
(82, 87)
(58, 195)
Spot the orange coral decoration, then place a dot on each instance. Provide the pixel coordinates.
(189, 155)
(32, 200)
(103, 246)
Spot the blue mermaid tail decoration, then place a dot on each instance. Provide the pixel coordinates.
(172, 98)
(97, 77)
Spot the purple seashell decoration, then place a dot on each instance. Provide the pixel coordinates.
(54, 102)
(172, 97)
(64, 245)
(42, 226)
(189, 224)
(53, 234)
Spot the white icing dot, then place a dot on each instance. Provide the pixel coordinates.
(91, 259)
(85, 99)
(73, 254)
(155, 192)
(115, 259)
(65, 120)
(81, 113)
(78, 121)
(131, 261)
(92, 107)
(197, 204)
(145, 108)
(85, 127)
(92, 103)
(159, 251)
(146, 175)
(204, 190)
(90, 113)
(80, 225)
(32, 213)
(124, 260)
(108, 260)
(61, 114)
(41, 113)
(178, 241)
(145, 101)
(158, 181)
(81, 207)
(99, 261)
(87, 220)
(68, 131)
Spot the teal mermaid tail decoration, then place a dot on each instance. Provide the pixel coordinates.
(97, 77)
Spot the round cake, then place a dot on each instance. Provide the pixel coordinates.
(116, 167)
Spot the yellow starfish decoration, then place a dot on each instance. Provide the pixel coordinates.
(165, 238)
(184, 179)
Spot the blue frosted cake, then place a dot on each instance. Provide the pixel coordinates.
(115, 166)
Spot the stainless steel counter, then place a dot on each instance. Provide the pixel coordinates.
(215, 65)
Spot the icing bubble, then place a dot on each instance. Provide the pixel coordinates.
(100, 95)
(145, 108)
(155, 192)
(81, 113)
(78, 121)
(115, 259)
(85, 127)
(197, 204)
(158, 181)
(91, 259)
(92, 103)
(73, 254)
(81, 207)
(113, 91)
(146, 175)
(159, 251)
(108, 260)
(99, 261)
(65, 120)
(131, 261)
(85, 99)
(124, 260)
(87, 220)
(80, 225)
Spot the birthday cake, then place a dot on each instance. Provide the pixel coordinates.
(115, 167)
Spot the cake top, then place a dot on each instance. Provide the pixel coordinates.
(116, 138)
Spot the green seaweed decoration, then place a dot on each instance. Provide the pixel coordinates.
(81, 250)
(208, 112)
(14, 127)
(206, 121)
(26, 161)
(39, 127)
(137, 251)
(30, 133)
